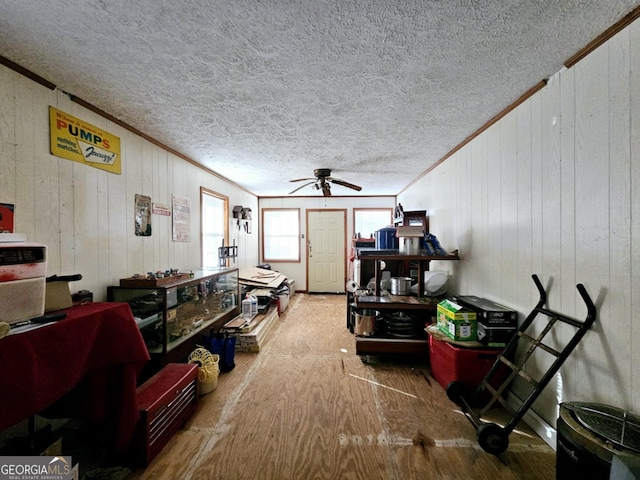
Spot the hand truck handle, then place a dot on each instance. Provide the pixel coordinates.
(591, 308)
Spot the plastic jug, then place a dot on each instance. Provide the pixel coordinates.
(246, 308)
(254, 304)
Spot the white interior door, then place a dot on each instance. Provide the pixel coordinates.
(326, 251)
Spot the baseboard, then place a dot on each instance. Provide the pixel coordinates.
(545, 431)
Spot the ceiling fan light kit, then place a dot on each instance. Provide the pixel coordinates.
(323, 181)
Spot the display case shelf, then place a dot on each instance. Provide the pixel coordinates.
(173, 316)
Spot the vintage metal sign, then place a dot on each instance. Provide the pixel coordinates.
(73, 139)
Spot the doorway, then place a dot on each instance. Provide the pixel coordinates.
(326, 251)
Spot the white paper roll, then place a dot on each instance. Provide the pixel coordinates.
(352, 286)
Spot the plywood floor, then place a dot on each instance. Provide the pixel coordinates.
(306, 407)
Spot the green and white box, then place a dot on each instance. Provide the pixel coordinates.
(457, 322)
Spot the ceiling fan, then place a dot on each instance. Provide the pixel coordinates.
(323, 181)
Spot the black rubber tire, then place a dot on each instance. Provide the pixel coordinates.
(492, 438)
(456, 390)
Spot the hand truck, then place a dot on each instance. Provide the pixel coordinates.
(494, 438)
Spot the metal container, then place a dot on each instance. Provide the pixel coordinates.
(590, 435)
(410, 244)
(365, 324)
(410, 239)
(400, 285)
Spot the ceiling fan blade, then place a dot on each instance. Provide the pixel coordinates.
(344, 184)
(302, 179)
(302, 186)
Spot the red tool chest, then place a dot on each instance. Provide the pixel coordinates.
(166, 401)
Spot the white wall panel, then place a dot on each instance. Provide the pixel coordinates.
(552, 193)
(634, 124)
(535, 191)
(475, 253)
(508, 210)
(524, 228)
(493, 241)
(550, 239)
(136, 245)
(615, 343)
(118, 219)
(7, 133)
(567, 287)
(590, 377)
(550, 186)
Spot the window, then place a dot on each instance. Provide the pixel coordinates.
(214, 226)
(281, 235)
(367, 220)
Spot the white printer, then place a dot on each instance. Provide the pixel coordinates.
(23, 271)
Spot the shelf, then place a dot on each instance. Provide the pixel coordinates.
(152, 282)
(396, 302)
(422, 258)
(171, 344)
(145, 322)
(384, 345)
(392, 254)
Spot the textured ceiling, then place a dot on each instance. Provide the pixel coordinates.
(262, 92)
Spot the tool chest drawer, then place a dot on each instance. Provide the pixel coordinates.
(166, 401)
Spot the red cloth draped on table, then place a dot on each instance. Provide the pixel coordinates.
(96, 353)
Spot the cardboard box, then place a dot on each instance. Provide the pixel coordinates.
(488, 311)
(456, 321)
(496, 323)
(495, 336)
(57, 296)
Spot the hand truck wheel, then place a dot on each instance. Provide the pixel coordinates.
(456, 390)
(492, 438)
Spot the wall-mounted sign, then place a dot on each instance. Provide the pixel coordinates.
(143, 215)
(161, 209)
(73, 139)
(181, 219)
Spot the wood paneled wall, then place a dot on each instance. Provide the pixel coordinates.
(552, 189)
(85, 216)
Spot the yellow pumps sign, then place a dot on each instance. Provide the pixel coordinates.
(73, 139)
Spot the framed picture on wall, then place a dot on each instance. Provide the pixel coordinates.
(181, 219)
(143, 215)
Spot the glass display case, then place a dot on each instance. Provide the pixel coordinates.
(173, 316)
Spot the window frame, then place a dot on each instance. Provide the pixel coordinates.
(356, 210)
(211, 193)
(265, 226)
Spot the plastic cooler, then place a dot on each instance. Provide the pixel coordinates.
(464, 364)
(386, 238)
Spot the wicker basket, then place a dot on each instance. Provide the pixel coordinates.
(208, 369)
